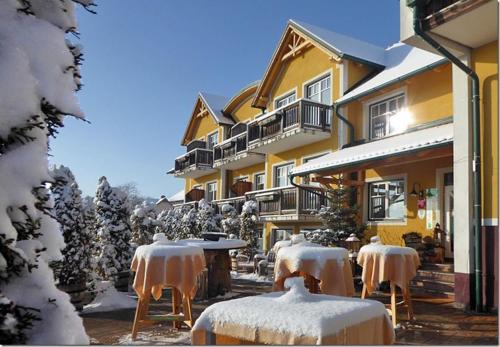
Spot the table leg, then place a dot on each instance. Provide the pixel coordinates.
(407, 298)
(188, 317)
(135, 326)
(363, 291)
(175, 305)
(393, 303)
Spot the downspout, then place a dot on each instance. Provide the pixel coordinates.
(336, 109)
(476, 145)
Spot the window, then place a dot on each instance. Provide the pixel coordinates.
(280, 235)
(281, 175)
(259, 181)
(211, 191)
(212, 140)
(285, 100)
(320, 91)
(386, 117)
(386, 200)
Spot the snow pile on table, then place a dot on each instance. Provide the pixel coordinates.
(39, 74)
(109, 299)
(387, 249)
(167, 250)
(221, 244)
(297, 291)
(319, 315)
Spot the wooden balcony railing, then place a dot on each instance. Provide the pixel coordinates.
(231, 147)
(434, 6)
(236, 202)
(197, 157)
(302, 113)
(289, 200)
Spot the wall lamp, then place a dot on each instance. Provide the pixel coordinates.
(420, 193)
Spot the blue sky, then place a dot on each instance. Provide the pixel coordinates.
(145, 61)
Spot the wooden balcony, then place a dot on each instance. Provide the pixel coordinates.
(297, 124)
(236, 202)
(195, 163)
(233, 153)
(288, 203)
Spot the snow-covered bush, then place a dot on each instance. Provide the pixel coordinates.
(170, 222)
(143, 220)
(113, 231)
(189, 225)
(231, 222)
(39, 75)
(208, 220)
(248, 231)
(76, 267)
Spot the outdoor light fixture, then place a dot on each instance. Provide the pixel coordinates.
(420, 193)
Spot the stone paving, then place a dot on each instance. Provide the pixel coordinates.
(437, 322)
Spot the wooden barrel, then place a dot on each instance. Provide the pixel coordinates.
(234, 263)
(120, 281)
(77, 292)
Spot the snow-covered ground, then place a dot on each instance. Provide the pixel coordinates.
(109, 299)
(250, 277)
(159, 336)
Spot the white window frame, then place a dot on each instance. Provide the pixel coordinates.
(366, 205)
(367, 103)
(216, 133)
(285, 96)
(255, 175)
(207, 191)
(318, 82)
(275, 177)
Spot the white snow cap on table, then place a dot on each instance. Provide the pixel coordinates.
(166, 249)
(297, 291)
(318, 316)
(221, 244)
(386, 249)
(375, 239)
(297, 238)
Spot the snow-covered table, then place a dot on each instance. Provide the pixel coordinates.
(328, 265)
(218, 262)
(166, 264)
(395, 264)
(294, 317)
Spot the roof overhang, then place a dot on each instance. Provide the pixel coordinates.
(201, 108)
(241, 96)
(432, 142)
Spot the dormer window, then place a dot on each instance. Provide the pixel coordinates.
(385, 117)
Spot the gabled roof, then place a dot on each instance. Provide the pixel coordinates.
(336, 45)
(401, 61)
(344, 46)
(179, 196)
(214, 105)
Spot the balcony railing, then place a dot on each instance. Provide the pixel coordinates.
(432, 7)
(231, 147)
(288, 200)
(236, 202)
(302, 113)
(198, 157)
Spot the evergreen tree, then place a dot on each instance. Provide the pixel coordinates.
(113, 231)
(189, 225)
(208, 220)
(40, 74)
(340, 216)
(248, 231)
(170, 222)
(143, 220)
(231, 223)
(76, 266)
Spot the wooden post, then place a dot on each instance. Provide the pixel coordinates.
(393, 303)
(363, 291)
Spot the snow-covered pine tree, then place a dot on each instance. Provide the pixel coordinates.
(189, 225)
(144, 222)
(170, 222)
(76, 267)
(231, 222)
(39, 75)
(340, 217)
(113, 231)
(208, 220)
(248, 229)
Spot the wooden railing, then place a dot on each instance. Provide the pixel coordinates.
(196, 144)
(236, 202)
(196, 157)
(434, 6)
(289, 200)
(302, 113)
(228, 149)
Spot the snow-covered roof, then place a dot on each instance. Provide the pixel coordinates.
(179, 196)
(400, 60)
(394, 145)
(215, 104)
(343, 45)
(248, 86)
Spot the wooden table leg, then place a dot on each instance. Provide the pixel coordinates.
(188, 315)
(407, 299)
(175, 305)
(140, 313)
(363, 291)
(393, 303)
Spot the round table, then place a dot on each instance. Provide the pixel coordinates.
(395, 264)
(218, 262)
(327, 265)
(165, 264)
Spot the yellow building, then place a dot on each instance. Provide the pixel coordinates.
(329, 105)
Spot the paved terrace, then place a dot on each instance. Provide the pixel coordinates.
(437, 322)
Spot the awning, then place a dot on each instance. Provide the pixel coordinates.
(396, 145)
